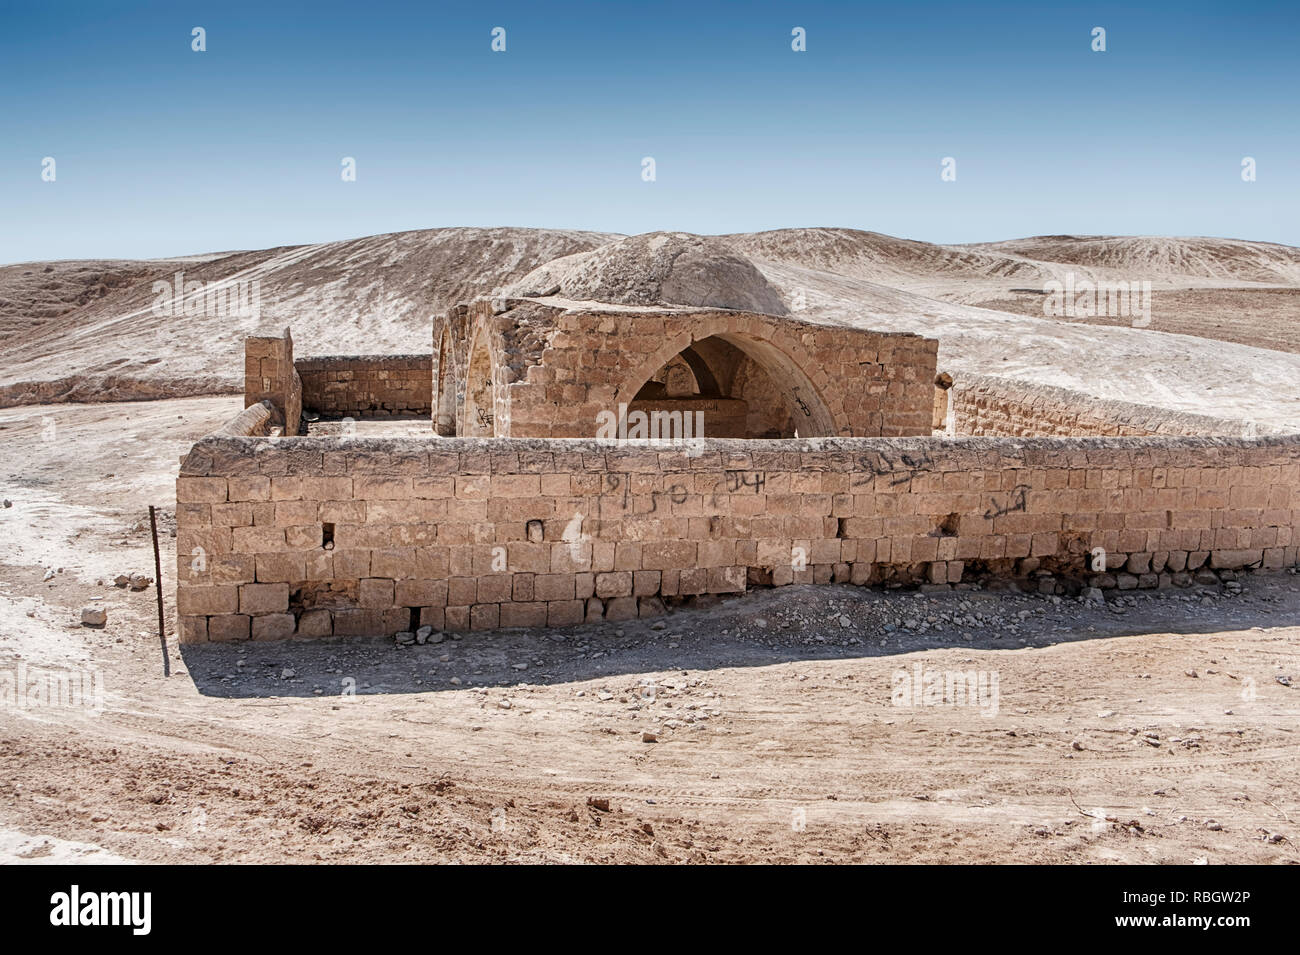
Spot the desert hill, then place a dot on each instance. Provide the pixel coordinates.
(1224, 336)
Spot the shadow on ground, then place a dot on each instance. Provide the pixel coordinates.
(792, 624)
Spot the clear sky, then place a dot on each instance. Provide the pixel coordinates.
(160, 150)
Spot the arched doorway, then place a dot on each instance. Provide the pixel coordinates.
(479, 419)
(444, 409)
(732, 386)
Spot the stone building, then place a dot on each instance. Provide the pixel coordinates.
(651, 422)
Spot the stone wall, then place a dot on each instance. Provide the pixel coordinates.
(319, 536)
(534, 369)
(269, 375)
(987, 405)
(367, 386)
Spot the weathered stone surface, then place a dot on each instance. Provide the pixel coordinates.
(537, 532)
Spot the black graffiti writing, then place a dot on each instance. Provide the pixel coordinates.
(1016, 502)
(740, 479)
(901, 468)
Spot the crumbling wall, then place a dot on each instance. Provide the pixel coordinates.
(447, 371)
(556, 371)
(254, 421)
(987, 405)
(324, 536)
(367, 386)
(269, 375)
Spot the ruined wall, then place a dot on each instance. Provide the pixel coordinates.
(269, 375)
(318, 536)
(367, 386)
(537, 370)
(987, 405)
(447, 371)
(254, 421)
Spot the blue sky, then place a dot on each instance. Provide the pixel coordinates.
(160, 150)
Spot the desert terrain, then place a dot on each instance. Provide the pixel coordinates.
(1149, 727)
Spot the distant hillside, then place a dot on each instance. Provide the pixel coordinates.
(1222, 339)
(87, 331)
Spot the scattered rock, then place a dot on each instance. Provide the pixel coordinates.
(93, 616)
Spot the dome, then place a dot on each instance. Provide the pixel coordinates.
(657, 268)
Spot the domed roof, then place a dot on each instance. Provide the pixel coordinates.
(656, 268)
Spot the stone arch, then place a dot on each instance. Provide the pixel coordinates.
(780, 356)
(444, 389)
(479, 416)
(700, 368)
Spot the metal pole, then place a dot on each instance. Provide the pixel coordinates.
(157, 583)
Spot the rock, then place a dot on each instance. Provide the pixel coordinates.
(405, 638)
(1213, 826)
(504, 704)
(423, 634)
(649, 737)
(1094, 595)
(93, 616)
(287, 674)
(598, 803)
(122, 580)
(49, 575)
(139, 581)
(8, 503)
(1138, 564)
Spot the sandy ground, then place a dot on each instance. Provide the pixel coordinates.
(1263, 317)
(1160, 728)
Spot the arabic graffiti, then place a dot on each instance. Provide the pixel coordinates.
(1015, 502)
